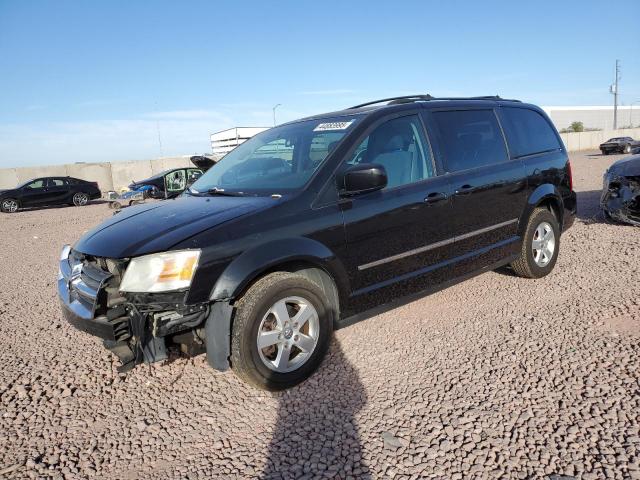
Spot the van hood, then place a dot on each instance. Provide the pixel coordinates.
(158, 226)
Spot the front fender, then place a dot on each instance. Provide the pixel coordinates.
(252, 263)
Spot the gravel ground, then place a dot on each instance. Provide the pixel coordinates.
(497, 377)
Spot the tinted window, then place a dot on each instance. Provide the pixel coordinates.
(400, 147)
(529, 132)
(470, 139)
(35, 185)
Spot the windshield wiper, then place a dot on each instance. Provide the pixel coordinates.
(223, 192)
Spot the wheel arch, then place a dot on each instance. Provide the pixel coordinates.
(304, 256)
(547, 196)
(301, 255)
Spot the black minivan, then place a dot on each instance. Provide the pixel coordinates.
(320, 222)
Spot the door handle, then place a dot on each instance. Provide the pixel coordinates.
(435, 197)
(465, 189)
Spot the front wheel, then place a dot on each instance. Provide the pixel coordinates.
(80, 199)
(9, 205)
(281, 331)
(540, 245)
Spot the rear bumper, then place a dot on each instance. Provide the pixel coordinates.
(570, 210)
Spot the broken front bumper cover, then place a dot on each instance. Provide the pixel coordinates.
(136, 329)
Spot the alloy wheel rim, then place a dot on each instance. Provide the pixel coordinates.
(10, 206)
(288, 334)
(80, 199)
(543, 244)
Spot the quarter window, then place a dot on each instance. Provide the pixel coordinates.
(470, 139)
(529, 132)
(400, 147)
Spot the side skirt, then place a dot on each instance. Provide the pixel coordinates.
(345, 322)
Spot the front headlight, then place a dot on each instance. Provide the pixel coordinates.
(160, 272)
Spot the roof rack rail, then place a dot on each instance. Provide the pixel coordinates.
(427, 97)
(396, 100)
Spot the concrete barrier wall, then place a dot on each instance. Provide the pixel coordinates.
(117, 175)
(591, 140)
(110, 175)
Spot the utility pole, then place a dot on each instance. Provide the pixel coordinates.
(614, 90)
(274, 113)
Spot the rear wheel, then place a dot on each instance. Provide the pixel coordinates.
(9, 205)
(626, 149)
(540, 245)
(281, 331)
(80, 199)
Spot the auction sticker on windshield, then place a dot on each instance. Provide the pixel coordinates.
(333, 126)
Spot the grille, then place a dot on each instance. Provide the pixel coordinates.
(89, 287)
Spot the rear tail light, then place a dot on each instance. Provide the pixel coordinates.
(570, 175)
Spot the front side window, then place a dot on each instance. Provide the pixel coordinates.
(470, 139)
(35, 185)
(176, 181)
(400, 147)
(278, 160)
(529, 132)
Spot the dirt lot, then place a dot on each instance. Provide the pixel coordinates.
(498, 377)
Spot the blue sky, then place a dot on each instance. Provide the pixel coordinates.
(97, 81)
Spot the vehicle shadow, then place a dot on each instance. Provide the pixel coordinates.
(316, 434)
(589, 210)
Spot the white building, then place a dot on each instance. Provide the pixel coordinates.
(595, 116)
(226, 140)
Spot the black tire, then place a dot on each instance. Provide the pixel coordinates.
(525, 266)
(80, 199)
(9, 205)
(252, 307)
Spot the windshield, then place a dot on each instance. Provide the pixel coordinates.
(275, 161)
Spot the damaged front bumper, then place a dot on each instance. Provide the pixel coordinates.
(620, 198)
(138, 328)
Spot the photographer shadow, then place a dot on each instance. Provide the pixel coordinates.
(316, 435)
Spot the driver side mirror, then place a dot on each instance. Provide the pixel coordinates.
(362, 178)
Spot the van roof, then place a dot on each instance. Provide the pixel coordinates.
(402, 102)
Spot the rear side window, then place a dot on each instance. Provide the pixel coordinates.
(470, 139)
(528, 132)
(57, 182)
